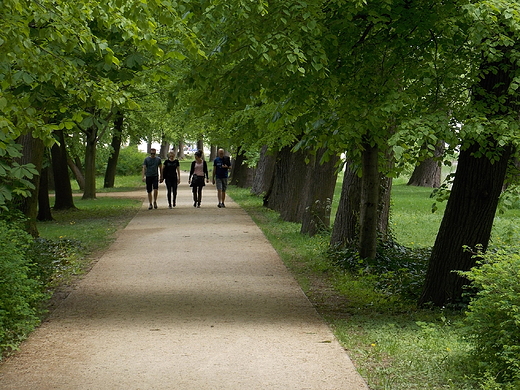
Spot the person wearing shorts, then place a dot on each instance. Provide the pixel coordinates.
(221, 167)
(151, 168)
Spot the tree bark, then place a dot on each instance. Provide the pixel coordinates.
(264, 172)
(370, 181)
(76, 170)
(322, 182)
(467, 221)
(32, 150)
(110, 172)
(44, 206)
(241, 174)
(288, 188)
(345, 232)
(63, 199)
(90, 164)
(428, 172)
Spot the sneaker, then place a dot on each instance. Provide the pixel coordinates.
(154, 205)
(222, 205)
(219, 205)
(150, 207)
(170, 206)
(194, 204)
(198, 204)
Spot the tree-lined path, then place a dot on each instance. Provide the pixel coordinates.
(184, 299)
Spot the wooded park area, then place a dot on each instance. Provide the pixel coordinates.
(294, 89)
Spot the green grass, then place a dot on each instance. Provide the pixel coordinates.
(393, 344)
(93, 223)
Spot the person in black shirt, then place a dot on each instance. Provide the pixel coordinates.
(172, 176)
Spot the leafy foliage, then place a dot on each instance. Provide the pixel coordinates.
(493, 317)
(20, 295)
(396, 270)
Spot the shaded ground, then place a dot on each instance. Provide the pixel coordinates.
(184, 299)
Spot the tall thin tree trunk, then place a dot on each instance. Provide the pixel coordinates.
(110, 172)
(90, 164)
(370, 181)
(63, 199)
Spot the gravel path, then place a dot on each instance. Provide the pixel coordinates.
(184, 299)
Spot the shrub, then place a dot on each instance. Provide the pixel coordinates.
(396, 270)
(19, 294)
(130, 161)
(493, 316)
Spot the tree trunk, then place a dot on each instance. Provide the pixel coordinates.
(383, 208)
(241, 174)
(63, 199)
(467, 221)
(44, 206)
(322, 182)
(212, 152)
(370, 181)
(346, 225)
(76, 170)
(288, 188)
(181, 155)
(428, 172)
(110, 173)
(264, 172)
(32, 150)
(90, 164)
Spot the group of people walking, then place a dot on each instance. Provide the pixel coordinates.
(155, 172)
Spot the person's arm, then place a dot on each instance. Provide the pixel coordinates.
(161, 172)
(143, 173)
(192, 167)
(205, 167)
(178, 173)
(213, 172)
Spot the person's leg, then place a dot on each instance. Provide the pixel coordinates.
(174, 192)
(199, 196)
(224, 189)
(149, 185)
(169, 192)
(155, 191)
(194, 190)
(218, 183)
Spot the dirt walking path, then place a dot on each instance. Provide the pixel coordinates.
(185, 298)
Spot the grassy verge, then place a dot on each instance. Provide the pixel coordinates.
(392, 343)
(86, 231)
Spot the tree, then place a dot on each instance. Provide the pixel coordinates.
(488, 143)
(63, 199)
